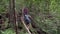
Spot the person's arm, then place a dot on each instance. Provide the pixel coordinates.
(30, 17)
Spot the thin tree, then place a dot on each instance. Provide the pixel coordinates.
(12, 17)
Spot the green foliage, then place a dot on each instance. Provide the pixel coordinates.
(43, 9)
(3, 5)
(40, 10)
(8, 31)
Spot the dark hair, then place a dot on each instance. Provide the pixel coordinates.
(25, 10)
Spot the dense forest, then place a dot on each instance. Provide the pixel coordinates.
(45, 14)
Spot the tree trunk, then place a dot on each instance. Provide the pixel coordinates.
(12, 13)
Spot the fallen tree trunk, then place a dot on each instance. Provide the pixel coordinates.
(25, 25)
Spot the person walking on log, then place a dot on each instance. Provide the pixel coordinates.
(27, 17)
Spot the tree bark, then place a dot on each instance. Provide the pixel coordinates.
(12, 14)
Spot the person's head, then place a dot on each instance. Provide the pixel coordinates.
(25, 11)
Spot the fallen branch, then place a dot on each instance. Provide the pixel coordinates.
(25, 25)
